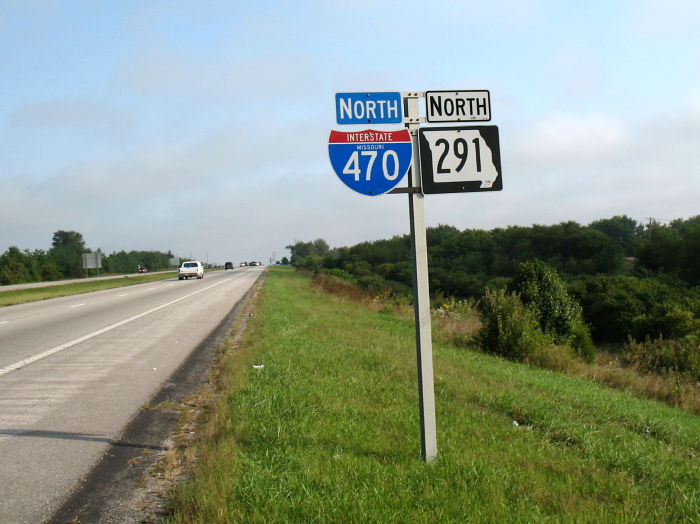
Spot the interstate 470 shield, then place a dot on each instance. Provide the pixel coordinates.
(370, 162)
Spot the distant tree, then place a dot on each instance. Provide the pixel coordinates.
(64, 259)
(67, 252)
(71, 239)
(49, 270)
(661, 251)
(689, 232)
(15, 267)
(320, 247)
(443, 242)
(123, 262)
(568, 247)
(626, 231)
(301, 250)
(683, 226)
(690, 268)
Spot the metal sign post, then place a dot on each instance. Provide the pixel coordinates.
(421, 294)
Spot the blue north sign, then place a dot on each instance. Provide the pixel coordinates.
(368, 108)
(370, 162)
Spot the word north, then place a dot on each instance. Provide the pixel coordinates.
(457, 106)
(368, 108)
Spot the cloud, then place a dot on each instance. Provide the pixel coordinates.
(594, 167)
(264, 81)
(256, 186)
(576, 70)
(665, 18)
(241, 192)
(564, 139)
(78, 114)
(694, 104)
(207, 131)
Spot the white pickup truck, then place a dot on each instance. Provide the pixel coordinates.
(191, 268)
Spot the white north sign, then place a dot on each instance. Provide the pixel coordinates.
(457, 106)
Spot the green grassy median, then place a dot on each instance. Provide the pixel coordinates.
(20, 296)
(320, 424)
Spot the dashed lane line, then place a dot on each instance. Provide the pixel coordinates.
(66, 345)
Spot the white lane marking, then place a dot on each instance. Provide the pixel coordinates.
(66, 345)
(78, 305)
(124, 295)
(4, 321)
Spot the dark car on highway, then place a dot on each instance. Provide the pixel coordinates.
(228, 265)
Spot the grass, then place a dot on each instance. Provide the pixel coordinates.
(456, 323)
(20, 296)
(328, 431)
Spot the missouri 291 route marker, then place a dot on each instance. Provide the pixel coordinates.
(460, 159)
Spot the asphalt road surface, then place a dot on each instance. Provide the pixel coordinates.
(74, 371)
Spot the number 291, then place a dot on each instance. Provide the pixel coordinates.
(460, 149)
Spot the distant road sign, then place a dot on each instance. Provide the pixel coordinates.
(370, 162)
(460, 159)
(368, 108)
(457, 106)
(92, 260)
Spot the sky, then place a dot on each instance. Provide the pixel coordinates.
(202, 128)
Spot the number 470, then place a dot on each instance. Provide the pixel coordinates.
(352, 167)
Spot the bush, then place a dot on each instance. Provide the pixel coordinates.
(312, 263)
(557, 312)
(666, 321)
(341, 274)
(380, 286)
(617, 307)
(540, 287)
(340, 287)
(582, 343)
(509, 328)
(665, 356)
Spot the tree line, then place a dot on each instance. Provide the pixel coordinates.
(630, 279)
(65, 260)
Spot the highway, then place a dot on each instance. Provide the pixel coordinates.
(74, 371)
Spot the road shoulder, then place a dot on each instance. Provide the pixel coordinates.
(124, 486)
